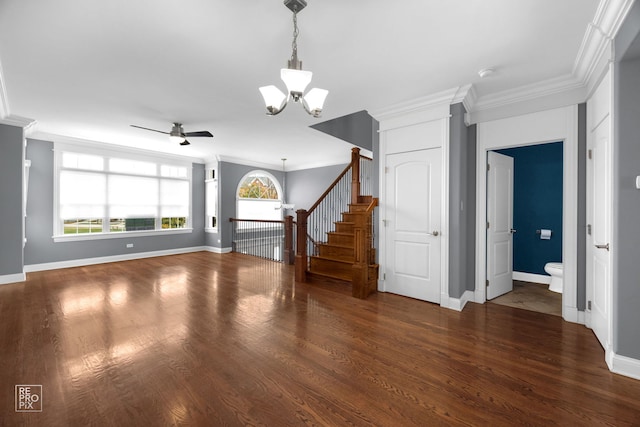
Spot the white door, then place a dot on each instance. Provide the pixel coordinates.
(412, 224)
(500, 225)
(598, 218)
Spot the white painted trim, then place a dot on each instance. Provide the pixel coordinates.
(107, 259)
(68, 143)
(533, 278)
(545, 126)
(529, 92)
(457, 304)
(623, 365)
(278, 167)
(571, 314)
(119, 235)
(435, 102)
(217, 250)
(444, 220)
(5, 111)
(12, 278)
(21, 122)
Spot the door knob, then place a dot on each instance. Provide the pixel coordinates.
(435, 233)
(603, 246)
(513, 230)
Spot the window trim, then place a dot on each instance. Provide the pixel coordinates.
(120, 153)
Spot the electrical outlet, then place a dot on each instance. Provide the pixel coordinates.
(129, 245)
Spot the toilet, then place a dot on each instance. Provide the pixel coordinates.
(554, 269)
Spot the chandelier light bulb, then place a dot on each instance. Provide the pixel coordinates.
(294, 77)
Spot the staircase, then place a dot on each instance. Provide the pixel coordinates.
(340, 245)
(336, 257)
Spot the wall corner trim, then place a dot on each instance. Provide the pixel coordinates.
(626, 366)
(12, 278)
(457, 304)
(217, 250)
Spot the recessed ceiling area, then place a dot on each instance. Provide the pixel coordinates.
(89, 70)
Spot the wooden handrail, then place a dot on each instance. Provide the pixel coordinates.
(278, 221)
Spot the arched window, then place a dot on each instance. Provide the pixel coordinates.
(259, 196)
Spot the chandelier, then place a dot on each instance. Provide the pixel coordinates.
(294, 77)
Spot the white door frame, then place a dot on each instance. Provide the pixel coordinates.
(554, 125)
(438, 116)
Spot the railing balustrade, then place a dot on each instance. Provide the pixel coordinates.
(268, 239)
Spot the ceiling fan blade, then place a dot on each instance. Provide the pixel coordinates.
(153, 130)
(200, 133)
(185, 142)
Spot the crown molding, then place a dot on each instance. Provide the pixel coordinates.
(4, 99)
(599, 36)
(275, 167)
(592, 58)
(80, 142)
(529, 92)
(6, 118)
(423, 104)
(18, 121)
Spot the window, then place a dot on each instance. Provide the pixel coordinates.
(259, 197)
(111, 194)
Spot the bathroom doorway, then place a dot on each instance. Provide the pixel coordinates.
(550, 126)
(536, 226)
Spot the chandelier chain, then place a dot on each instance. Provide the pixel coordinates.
(294, 44)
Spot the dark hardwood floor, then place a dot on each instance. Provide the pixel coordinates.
(212, 340)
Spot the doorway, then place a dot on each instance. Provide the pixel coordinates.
(526, 130)
(525, 192)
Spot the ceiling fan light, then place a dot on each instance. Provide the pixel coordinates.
(176, 138)
(296, 80)
(314, 101)
(274, 99)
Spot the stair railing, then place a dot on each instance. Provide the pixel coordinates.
(318, 220)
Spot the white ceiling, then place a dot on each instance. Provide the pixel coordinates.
(89, 69)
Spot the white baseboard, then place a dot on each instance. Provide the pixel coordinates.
(103, 260)
(625, 366)
(530, 277)
(217, 250)
(12, 278)
(457, 304)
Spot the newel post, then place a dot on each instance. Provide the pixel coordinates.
(289, 252)
(301, 246)
(355, 174)
(364, 273)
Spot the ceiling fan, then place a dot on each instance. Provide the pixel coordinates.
(178, 134)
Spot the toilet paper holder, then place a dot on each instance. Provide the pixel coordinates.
(538, 231)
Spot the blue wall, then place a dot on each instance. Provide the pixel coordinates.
(537, 203)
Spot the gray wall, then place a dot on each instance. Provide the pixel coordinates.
(229, 176)
(304, 187)
(11, 175)
(626, 209)
(581, 301)
(470, 207)
(460, 266)
(40, 246)
(358, 128)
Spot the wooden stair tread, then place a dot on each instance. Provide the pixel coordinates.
(336, 245)
(331, 276)
(330, 258)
